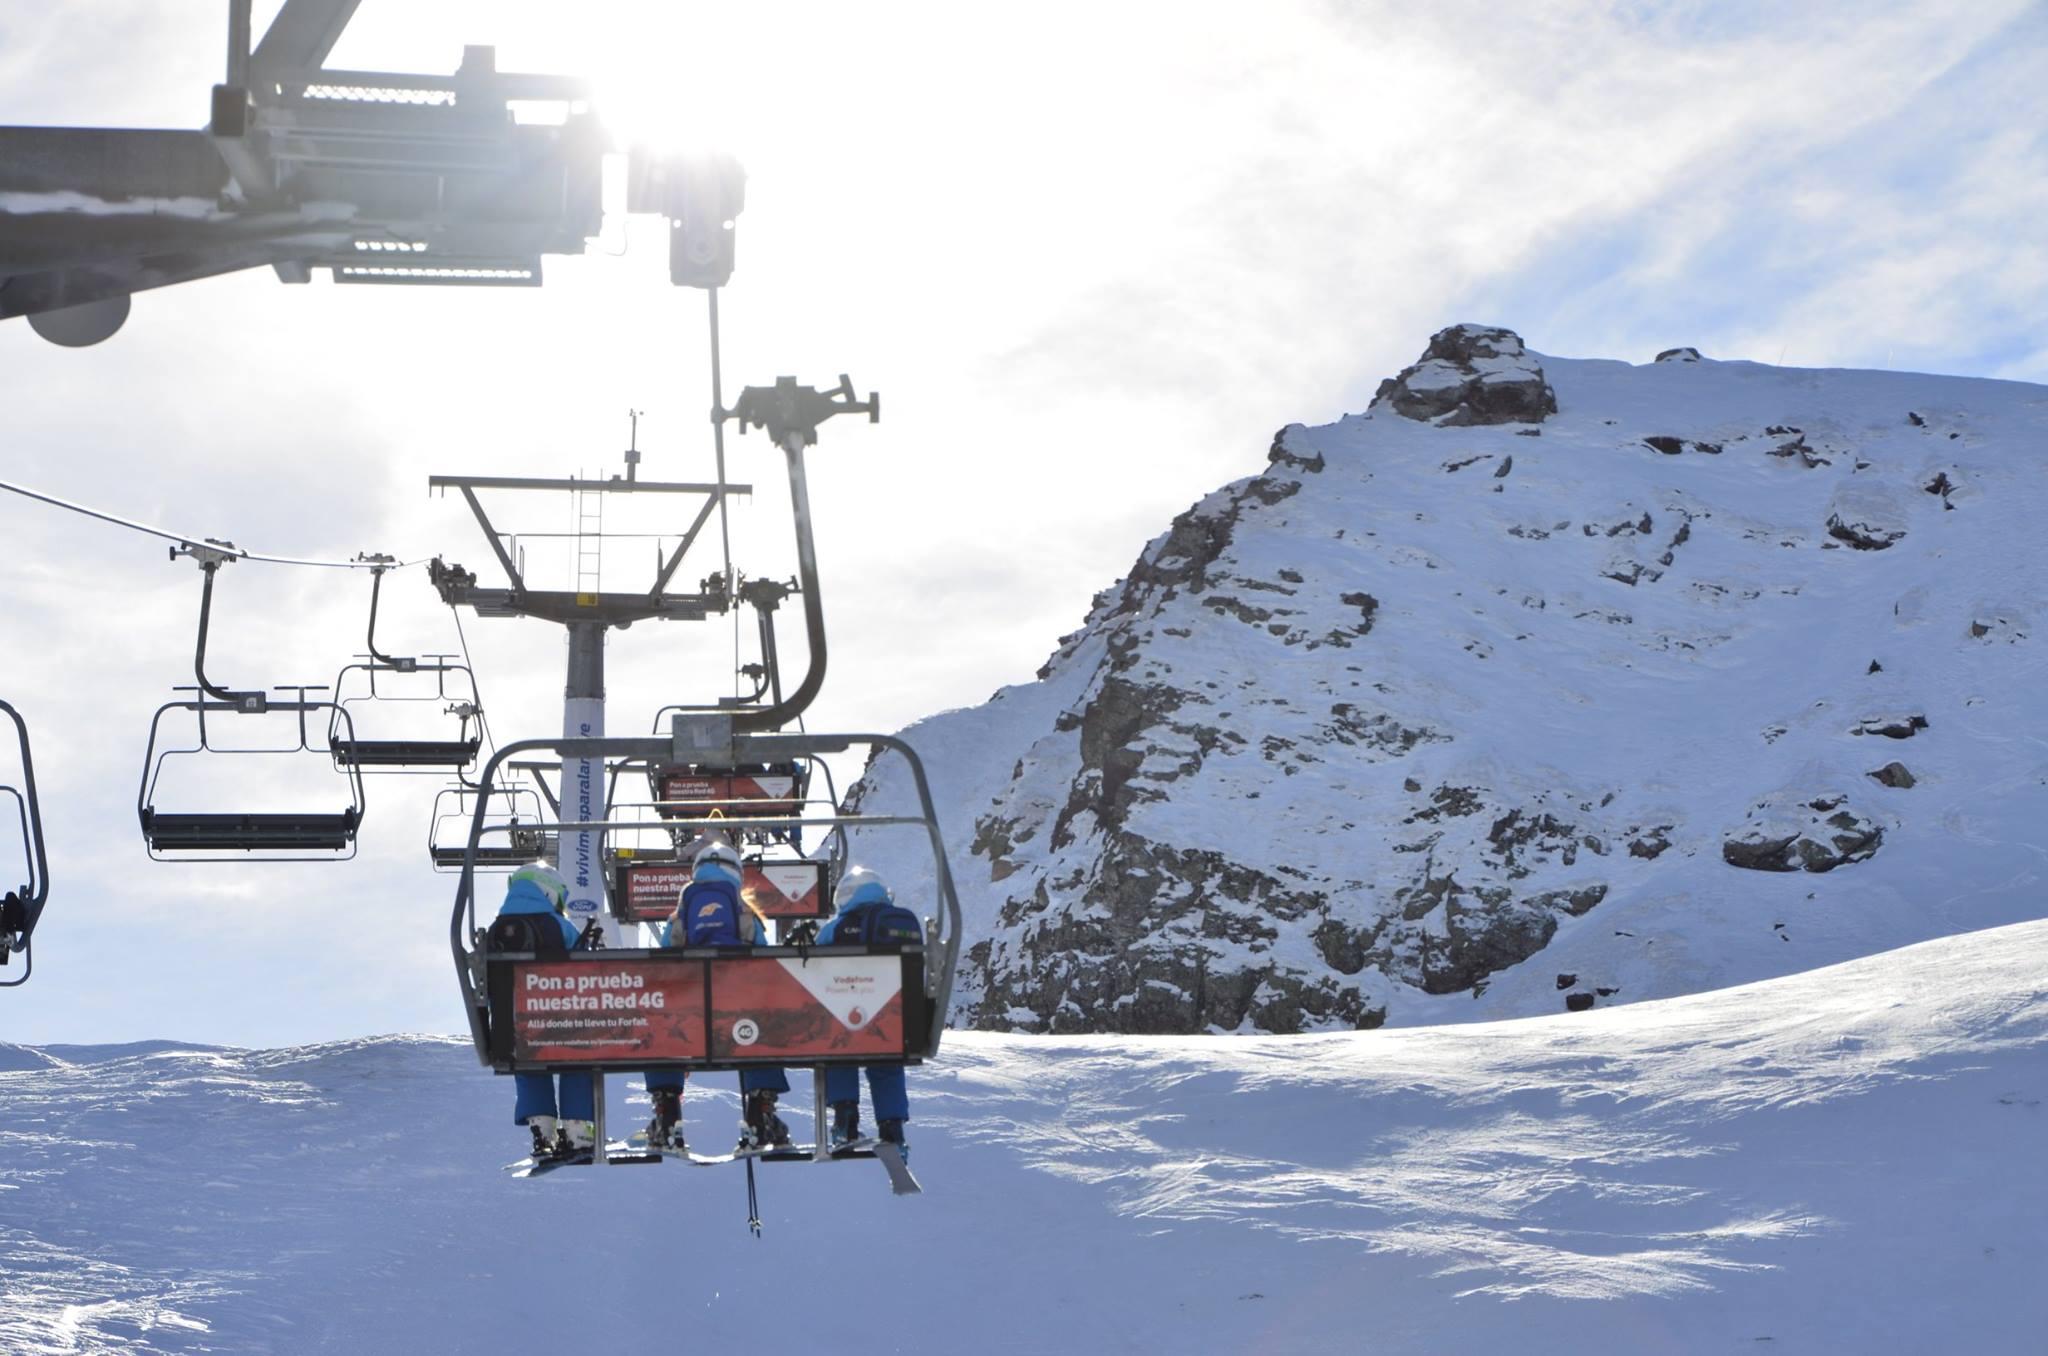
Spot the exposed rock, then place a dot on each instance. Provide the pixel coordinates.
(1796, 446)
(1814, 833)
(1891, 726)
(1866, 518)
(1279, 453)
(1577, 1002)
(1687, 354)
(1566, 981)
(1894, 775)
(1471, 374)
(1671, 446)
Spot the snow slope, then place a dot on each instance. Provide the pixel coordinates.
(1722, 671)
(1847, 1160)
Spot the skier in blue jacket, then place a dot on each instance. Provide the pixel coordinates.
(862, 900)
(710, 914)
(566, 1125)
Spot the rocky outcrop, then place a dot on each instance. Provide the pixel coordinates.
(1471, 374)
(1427, 713)
(1816, 833)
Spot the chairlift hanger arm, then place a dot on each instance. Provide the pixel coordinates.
(790, 414)
(210, 559)
(379, 564)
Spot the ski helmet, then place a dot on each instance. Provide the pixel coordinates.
(861, 886)
(717, 860)
(547, 879)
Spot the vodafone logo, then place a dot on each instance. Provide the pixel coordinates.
(745, 1031)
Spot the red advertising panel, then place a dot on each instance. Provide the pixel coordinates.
(649, 890)
(706, 795)
(763, 794)
(806, 1008)
(570, 1012)
(786, 889)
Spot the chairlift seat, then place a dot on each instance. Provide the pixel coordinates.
(250, 832)
(488, 855)
(442, 753)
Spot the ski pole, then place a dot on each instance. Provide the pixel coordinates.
(753, 1201)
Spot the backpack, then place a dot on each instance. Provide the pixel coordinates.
(539, 933)
(710, 915)
(878, 924)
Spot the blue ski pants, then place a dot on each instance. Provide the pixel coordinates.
(536, 1097)
(887, 1089)
(767, 1078)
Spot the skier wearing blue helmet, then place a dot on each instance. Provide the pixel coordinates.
(534, 901)
(868, 912)
(710, 914)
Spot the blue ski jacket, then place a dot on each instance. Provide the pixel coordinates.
(526, 897)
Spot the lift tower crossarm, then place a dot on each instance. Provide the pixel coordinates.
(458, 587)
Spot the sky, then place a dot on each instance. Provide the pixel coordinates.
(1091, 256)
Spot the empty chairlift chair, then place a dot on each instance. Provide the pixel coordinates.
(513, 833)
(239, 834)
(385, 684)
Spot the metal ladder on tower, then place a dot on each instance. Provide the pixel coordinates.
(589, 511)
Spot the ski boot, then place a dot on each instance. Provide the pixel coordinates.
(763, 1129)
(543, 1128)
(665, 1131)
(845, 1124)
(577, 1137)
(891, 1132)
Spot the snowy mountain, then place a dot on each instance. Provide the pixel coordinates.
(1541, 684)
(1844, 1161)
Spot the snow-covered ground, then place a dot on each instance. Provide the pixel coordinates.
(1842, 1161)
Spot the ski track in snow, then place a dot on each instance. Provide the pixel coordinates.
(1848, 1160)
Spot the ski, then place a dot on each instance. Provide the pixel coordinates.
(537, 1167)
(900, 1180)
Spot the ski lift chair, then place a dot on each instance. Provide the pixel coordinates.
(454, 691)
(22, 906)
(513, 833)
(703, 1008)
(405, 755)
(242, 835)
(237, 835)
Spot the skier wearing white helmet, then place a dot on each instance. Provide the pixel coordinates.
(565, 1125)
(710, 914)
(868, 912)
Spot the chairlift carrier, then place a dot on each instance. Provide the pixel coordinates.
(406, 755)
(237, 835)
(21, 907)
(705, 1009)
